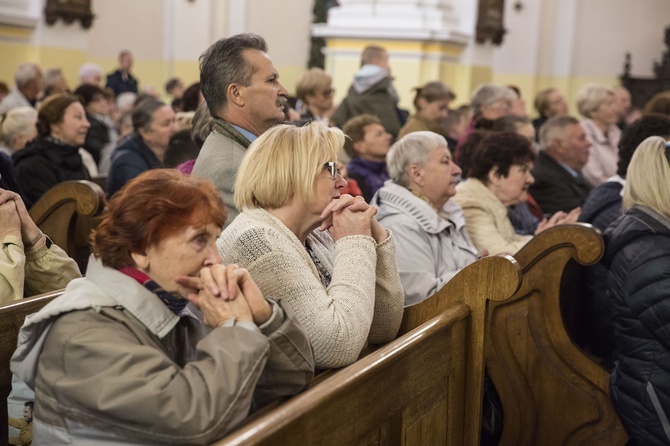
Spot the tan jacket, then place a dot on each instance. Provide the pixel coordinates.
(486, 219)
(110, 363)
(41, 270)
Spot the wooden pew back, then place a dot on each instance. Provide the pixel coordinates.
(552, 393)
(12, 316)
(423, 388)
(67, 213)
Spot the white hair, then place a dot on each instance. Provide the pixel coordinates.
(89, 70)
(26, 73)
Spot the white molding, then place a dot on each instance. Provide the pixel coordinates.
(431, 20)
(24, 13)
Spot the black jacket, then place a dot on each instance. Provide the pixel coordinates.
(638, 255)
(602, 208)
(555, 189)
(44, 163)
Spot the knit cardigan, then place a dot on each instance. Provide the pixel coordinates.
(363, 303)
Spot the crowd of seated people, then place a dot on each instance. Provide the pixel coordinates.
(333, 231)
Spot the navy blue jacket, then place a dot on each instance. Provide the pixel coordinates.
(130, 159)
(601, 209)
(119, 85)
(638, 256)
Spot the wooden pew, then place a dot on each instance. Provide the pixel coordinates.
(67, 213)
(424, 388)
(12, 316)
(552, 393)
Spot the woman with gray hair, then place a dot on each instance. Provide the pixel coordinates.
(153, 125)
(598, 106)
(489, 102)
(415, 205)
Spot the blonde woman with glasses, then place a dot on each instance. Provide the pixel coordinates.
(322, 253)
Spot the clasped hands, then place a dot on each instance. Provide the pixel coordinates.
(349, 215)
(224, 292)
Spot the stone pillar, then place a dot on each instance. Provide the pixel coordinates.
(425, 39)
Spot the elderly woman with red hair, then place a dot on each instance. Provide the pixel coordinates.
(121, 357)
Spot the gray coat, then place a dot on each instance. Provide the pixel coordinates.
(111, 364)
(430, 249)
(219, 159)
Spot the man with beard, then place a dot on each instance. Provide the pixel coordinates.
(24, 425)
(241, 87)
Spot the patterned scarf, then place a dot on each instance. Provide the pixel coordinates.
(172, 300)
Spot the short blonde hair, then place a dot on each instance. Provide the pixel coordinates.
(283, 162)
(648, 177)
(590, 97)
(311, 82)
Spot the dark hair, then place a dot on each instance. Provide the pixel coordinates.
(30, 404)
(3, 87)
(223, 64)
(191, 98)
(431, 92)
(171, 84)
(508, 123)
(143, 113)
(635, 133)
(468, 148)
(202, 125)
(355, 131)
(180, 149)
(660, 103)
(52, 112)
(151, 207)
(499, 150)
(87, 93)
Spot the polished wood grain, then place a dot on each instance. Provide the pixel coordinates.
(424, 388)
(67, 213)
(552, 392)
(12, 316)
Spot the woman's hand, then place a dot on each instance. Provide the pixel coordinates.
(29, 230)
(335, 210)
(231, 283)
(552, 221)
(559, 218)
(9, 220)
(217, 311)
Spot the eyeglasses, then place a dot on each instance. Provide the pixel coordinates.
(332, 169)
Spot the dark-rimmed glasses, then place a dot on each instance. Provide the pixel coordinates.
(333, 170)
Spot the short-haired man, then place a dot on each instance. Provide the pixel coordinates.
(241, 87)
(367, 145)
(24, 425)
(121, 81)
(559, 184)
(372, 92)
(28, 84)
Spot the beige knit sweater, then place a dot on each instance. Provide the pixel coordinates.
(363, 303)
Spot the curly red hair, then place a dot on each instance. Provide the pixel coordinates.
(153, 206)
